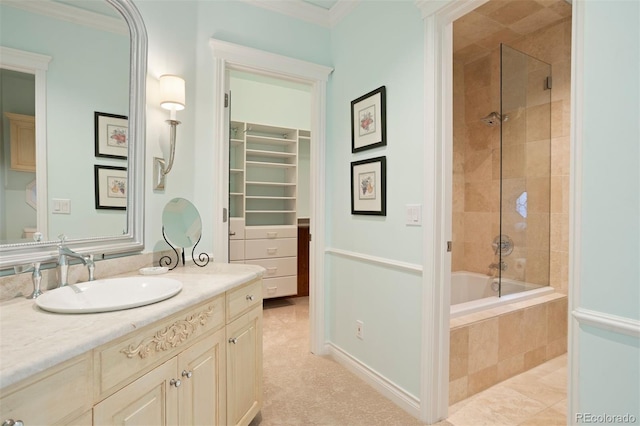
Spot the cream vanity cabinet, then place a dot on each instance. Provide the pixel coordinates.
(201, 366)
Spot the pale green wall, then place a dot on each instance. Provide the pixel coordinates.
(379, 43)
(609, 363)
(185, 50)
(75, 90)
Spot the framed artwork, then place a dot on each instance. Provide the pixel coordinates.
(368, 121)
(111, 135)
(111, 187)
(369, 186)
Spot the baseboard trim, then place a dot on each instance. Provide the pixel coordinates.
(405, 400)
(614, 323)
(382, 261)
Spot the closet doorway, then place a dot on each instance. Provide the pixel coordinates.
(269, 179)
(256, 64)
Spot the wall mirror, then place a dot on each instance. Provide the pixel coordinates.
(84, 90)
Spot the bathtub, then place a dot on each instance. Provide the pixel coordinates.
(472, 292)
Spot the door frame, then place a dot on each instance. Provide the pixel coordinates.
(229, 56)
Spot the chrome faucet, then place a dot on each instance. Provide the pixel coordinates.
(64, 253)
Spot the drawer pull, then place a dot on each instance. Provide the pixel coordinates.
(250, 297)
(272, 270)
(232, 233)
(11, 422)
(187, 374)
(272, 234)
(272, 250)
(175, 383)
(233, 340)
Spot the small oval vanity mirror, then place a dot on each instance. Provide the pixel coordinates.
(181, 223)
(182, 228)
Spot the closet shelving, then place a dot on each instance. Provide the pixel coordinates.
(263, 189)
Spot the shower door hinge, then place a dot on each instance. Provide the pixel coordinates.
(547, 83)
(448, 246)
(226, 100)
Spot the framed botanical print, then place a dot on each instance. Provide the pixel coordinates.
(369, 186)
(110, 187)
(368, 121)
(111, 135)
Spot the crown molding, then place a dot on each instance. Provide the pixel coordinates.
(71, 14)
(307, 12)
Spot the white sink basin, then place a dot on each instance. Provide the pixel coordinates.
(111, 294)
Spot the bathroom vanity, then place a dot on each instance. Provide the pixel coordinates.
(195, 358)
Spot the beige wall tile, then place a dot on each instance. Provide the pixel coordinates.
(476, 196)
(538, 123)
(458, 390)
(480, 136)
(478, 256)
(538, 233)
(483, 345)
(538, 158)
(482, 379)
(510, 367)
(556, 348)
(560, 155)
(539, 195)
(557, 319)
(477, 222)
(458, 353)
(511, 335)
(538, 262)
(513, 12)
(535, 319)
(477, 74)
(513, 161)
(535, 357)
(478, 166)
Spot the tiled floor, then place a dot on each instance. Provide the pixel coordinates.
(300, 388)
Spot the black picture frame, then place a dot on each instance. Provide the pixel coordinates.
(369, 120)
(111, 135)
(110, 187)
(369, 186)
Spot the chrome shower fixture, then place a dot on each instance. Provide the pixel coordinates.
(494, 118)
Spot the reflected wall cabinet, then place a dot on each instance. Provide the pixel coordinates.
(263, 187)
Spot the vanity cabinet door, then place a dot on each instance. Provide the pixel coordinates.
(244, 367)
(202, 373)
(150, 400)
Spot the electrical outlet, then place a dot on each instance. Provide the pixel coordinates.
(360, 330)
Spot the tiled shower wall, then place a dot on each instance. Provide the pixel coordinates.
(476, 161)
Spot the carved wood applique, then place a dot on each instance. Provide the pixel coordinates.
(171, 336)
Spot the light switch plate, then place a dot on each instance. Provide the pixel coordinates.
(414, 214)
(61, 206)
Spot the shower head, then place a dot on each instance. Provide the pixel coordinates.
(491, 120)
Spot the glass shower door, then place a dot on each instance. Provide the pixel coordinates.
(525, 172)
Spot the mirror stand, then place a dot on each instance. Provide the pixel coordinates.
(203, 258)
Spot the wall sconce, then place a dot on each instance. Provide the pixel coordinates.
(171, 98)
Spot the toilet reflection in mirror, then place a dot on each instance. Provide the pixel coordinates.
(181, 229)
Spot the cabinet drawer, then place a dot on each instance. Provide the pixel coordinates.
(125, 359)
(279, 267)
(270, 232)
(55, 396)
(236, 229)
(281, 286)
(264, 249)
(236, 250)
(242, 299)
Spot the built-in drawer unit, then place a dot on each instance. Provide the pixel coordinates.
(236, 229)
(280, 286)
(236, 250)
(125, 359)
(265, 249)
(243, 299)
(279, 267)
(270, 232)
(55, 396)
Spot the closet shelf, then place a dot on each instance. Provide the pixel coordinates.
(267, 164)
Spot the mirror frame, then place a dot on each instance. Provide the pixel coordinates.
(133, 240)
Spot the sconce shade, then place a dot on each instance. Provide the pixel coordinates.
(171, 92)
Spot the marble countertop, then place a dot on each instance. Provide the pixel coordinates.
(32, 340)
